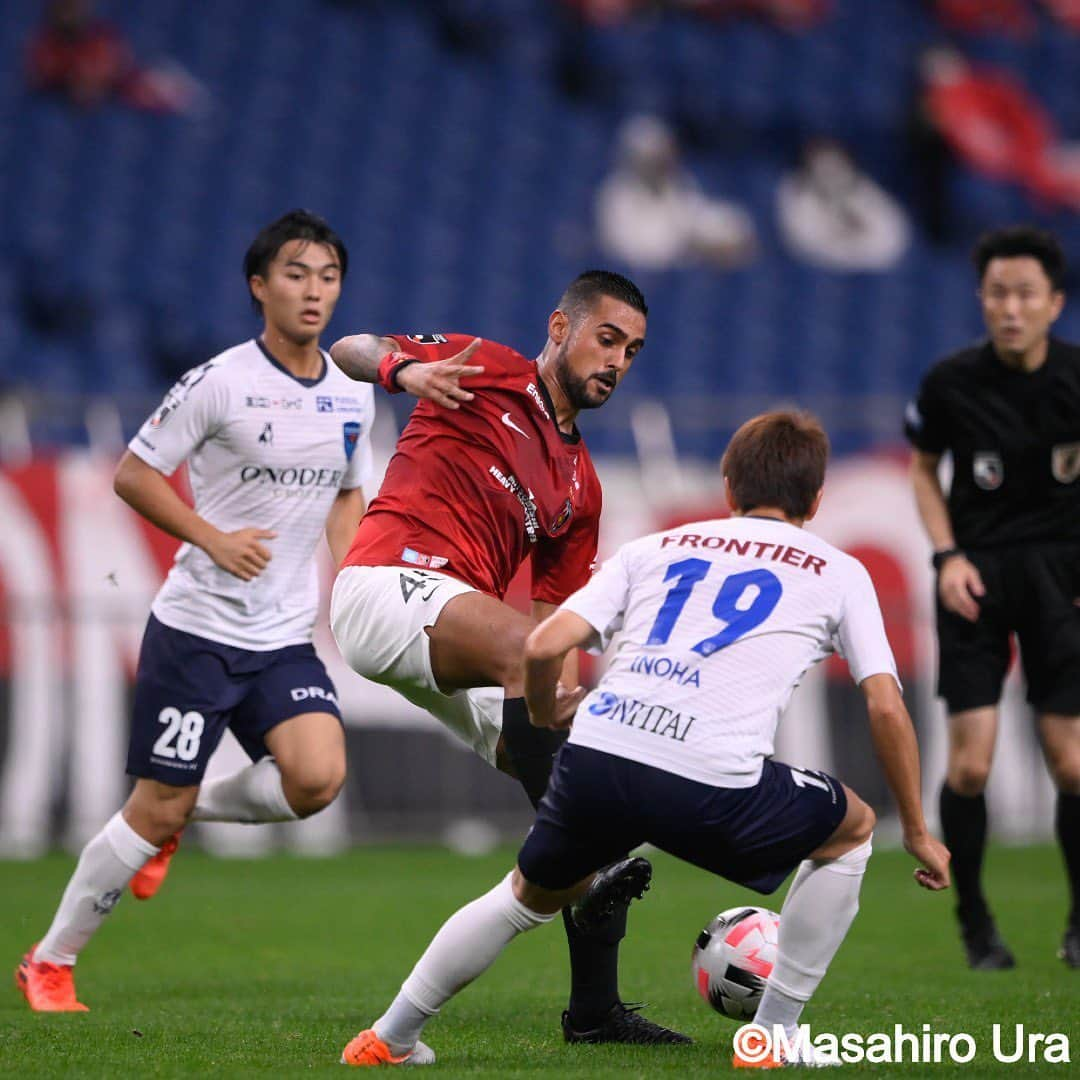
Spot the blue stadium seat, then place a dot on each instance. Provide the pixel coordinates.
(466, 189)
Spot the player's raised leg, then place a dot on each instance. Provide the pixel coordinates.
(302, 775)
(298, 759)
(153, 813)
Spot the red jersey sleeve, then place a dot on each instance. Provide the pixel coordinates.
(562, 565)
(429, 347)
(495, 359)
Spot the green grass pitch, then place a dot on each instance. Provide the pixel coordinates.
(269, 967)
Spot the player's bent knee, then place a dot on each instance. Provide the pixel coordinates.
(968, 778)
(313, 791)
(1066, 776)
(862, 826)
(541, 902)
(157, 811)
(853, 832)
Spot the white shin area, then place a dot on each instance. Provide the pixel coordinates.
(106, 865)
(818, 911)
(468, 944)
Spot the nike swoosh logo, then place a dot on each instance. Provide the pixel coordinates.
(510, 424)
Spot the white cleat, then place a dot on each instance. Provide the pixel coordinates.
(422, 1055)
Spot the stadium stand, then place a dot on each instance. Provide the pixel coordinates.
(465, 183)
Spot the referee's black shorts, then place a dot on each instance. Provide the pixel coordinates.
(1032, 592)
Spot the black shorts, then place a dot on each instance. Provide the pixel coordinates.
(597, 807)
(1030, 592)
(189, 689)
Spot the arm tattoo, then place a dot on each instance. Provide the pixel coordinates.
(359, 355)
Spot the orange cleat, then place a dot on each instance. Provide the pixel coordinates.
(368, 1049)
(147, 881)
(47, 987)
(767, 1063)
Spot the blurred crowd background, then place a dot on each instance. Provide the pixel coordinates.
(795, 184)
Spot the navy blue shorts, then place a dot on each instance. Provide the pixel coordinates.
(598, 807)
(188, 690)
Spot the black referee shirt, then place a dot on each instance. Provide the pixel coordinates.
(1015, 441)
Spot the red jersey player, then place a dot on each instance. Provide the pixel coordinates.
(490, 471)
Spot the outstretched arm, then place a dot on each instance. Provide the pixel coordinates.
(898, 751)
(364, 357)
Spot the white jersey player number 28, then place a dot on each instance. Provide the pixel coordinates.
(186, 729)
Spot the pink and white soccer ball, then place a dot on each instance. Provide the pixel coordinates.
(733, 956)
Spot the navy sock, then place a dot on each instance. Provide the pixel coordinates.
(594, 969)
(963, 822)
(1067, 821)
(531, 750)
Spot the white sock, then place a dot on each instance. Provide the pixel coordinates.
(250, 796)
(467, 945)
(107, 863)
(817, 913)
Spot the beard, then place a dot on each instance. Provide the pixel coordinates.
(577, 390)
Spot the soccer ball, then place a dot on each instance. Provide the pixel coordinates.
(733, 956)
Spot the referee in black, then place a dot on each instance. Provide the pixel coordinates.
(1007, 554)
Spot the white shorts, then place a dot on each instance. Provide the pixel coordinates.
(378, 615)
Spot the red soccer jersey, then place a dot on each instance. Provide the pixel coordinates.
(475, 491)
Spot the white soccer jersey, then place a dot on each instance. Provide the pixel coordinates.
(719, 622)
(264, 450)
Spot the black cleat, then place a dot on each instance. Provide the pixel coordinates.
(612, 888)
(625, 1024)
(985, 949)
(1070, 947)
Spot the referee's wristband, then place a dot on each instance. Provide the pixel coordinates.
(391, 365)
(942, 557)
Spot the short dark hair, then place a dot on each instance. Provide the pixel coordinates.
(586, 288)
(777, 460)
(1017, 240)
(295, 225)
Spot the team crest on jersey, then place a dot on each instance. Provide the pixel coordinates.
(988, 470)
(427, 339)
(563, 518)
(1065, 462)
(350, 432)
